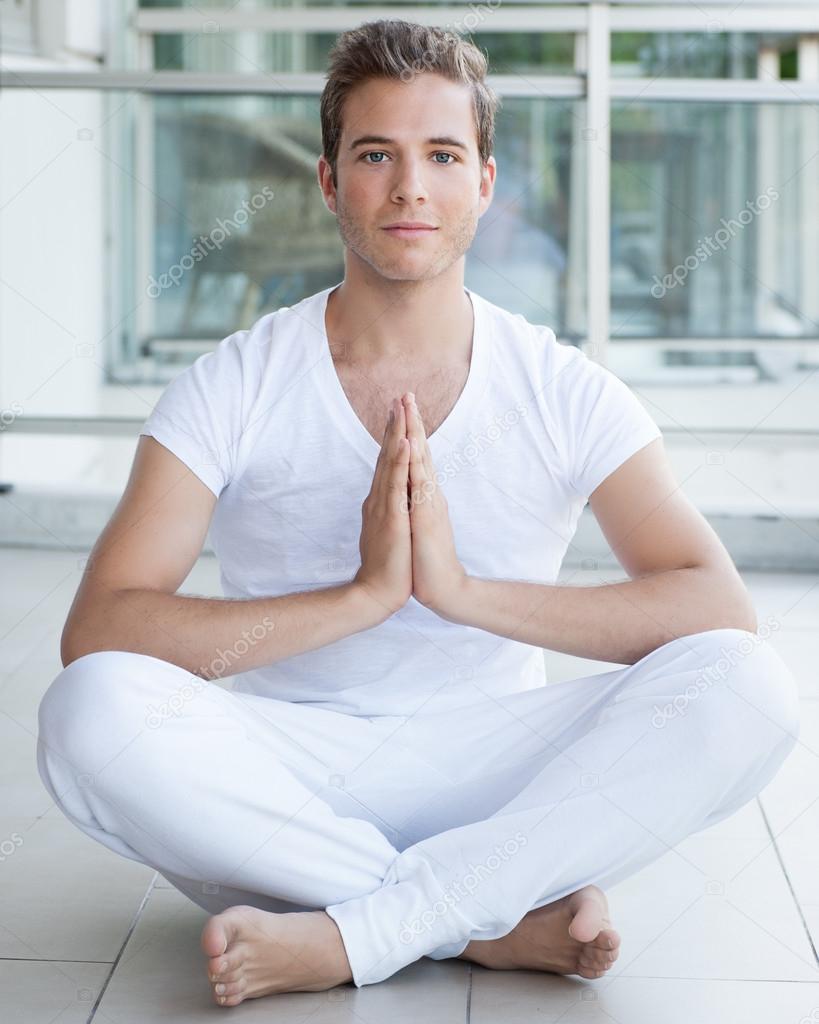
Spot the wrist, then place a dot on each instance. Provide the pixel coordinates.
(367, 606)
(454, 607)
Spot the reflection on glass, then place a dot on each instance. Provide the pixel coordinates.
(237, 225)
(240, 226)
(529, 252)
(714, 212)
(692, 54)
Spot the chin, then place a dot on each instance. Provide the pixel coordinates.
(409, 269)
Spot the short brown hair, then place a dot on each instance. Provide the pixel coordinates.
(399, 50)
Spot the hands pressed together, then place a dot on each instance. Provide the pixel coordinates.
(407, 545)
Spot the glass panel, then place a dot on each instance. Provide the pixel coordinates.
(529, 254)
(714, 220)
(694, 54)
(240, 227)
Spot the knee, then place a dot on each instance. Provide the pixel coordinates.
(91, 702)
(762, 712)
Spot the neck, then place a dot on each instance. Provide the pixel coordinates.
(408, 323)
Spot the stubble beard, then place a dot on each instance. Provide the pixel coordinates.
(450, 248)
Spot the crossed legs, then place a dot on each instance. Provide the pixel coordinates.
(435, 835)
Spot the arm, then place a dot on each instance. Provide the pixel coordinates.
(682, 579)
(127, 599)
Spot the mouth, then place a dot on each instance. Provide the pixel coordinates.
(410, 230)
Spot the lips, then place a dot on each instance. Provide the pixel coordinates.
(409, 225)
(410, 230)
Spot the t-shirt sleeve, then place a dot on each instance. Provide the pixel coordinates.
(199, 414)
(607, 424)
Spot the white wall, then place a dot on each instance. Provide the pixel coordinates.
(52, 249)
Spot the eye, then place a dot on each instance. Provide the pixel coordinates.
(442, 153)
(374, 153)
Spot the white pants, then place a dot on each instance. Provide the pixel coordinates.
(416, 834)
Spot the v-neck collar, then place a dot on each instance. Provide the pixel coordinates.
(449, 430)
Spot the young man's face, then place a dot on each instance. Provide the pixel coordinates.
(421, 164)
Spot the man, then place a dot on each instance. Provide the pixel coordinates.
(389, 777)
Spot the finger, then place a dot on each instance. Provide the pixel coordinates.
(382, 453)
(399, 474)
(414, 419)
(426, 455)
(391, 446)
(418, 433)
(417, 472)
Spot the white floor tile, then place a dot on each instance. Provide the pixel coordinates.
(64, 896)
(712, 908)
(522, 997)
(62, 992)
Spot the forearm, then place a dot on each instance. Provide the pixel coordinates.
(214, 637)
(617, 622)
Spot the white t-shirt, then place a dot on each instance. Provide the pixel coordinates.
(264, 422)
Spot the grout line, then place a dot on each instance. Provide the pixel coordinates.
(118, 957)
(722, 981)
(52, 960)
(788, 880)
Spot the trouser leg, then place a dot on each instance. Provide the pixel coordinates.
(226, 792)
(678, 741)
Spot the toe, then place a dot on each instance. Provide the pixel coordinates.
(589, 972)
(595, 959)
(215, 935)
(229, 994)
(608, 939)
(590, 913)
(217, 967)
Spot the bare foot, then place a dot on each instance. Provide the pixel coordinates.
(565, 937)
(253, 952)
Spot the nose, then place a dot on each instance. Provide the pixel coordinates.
(408, 186)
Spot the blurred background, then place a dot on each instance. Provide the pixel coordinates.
(657, 204)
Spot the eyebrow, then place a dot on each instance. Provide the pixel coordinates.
(440, 140)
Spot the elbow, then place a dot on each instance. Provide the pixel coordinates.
(68, 651)
(749, 620)
(72, 647)
(729, 604)
(743, 616)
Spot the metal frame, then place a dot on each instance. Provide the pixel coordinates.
(698, 90)
(128, 426)
(527, 16)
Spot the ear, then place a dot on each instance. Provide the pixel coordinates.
(488, 172)
(325, 180)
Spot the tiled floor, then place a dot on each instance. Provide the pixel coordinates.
(724, 928)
